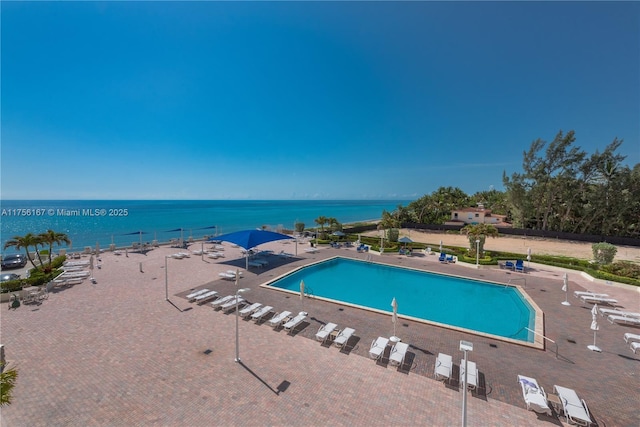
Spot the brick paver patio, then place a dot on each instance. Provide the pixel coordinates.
(116, 353)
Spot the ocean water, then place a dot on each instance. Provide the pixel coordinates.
(88, 222)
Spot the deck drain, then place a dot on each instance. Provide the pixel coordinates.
(572, 341)
(406, 325)
(341, 309)
(493, 345)
(208, 352)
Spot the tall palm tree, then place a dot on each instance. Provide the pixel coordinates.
(321, 221)
(25, 242)
(51, 237)
(478, 232)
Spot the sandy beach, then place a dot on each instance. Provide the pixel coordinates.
(116, 352)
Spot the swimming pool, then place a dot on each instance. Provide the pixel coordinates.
(474, 306)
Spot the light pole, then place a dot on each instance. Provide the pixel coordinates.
(477, 253)
(166, 280)
(238, 292)
(465, 346)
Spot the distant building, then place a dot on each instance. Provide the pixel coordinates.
(478, 215)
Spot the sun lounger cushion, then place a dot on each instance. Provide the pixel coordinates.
(261, 313)
(628, 337)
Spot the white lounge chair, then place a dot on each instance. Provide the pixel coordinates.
(258, 315)
(250, 309)
(443, 367)
(574, 408)
(311, 250)
(628, 337)
(325, 331)
(231, 303)
(579, 294)
(623, 319)
(634, 346)
(196, 293)
(342, 339)
(227, 276)
(378, 347)
(398, 353)
(472, 376)
(279, 318)
(598, 300)
(202, 298)
(223, 300)
(534, 395)
(615, 312)
(291, 325)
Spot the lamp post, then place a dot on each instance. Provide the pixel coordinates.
(465, 346)
(238, 292)
(477, 253)
(166, 280)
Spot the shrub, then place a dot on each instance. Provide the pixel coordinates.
(393, 234)
(623, 268)
(12, 285)
(604, 252)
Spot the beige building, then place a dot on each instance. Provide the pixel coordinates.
(478, 215)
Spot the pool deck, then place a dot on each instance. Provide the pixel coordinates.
(117, 353)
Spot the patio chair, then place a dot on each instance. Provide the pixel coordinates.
(578, 294)
(598, 300)
(398, 353)
(231, 304)
(291, 325)
(574, 408)
(534, 395)
(202, 298)
(342, 339)
(519, 266)
(223, 300)
(196, 293)
(443, 367)
(378, 347)
(442, 257)
(258, 315)
(623, 319)
(249, 309)
(615, 312)
(325, 331)
(629, 337)
(472, 376)
(279, 318)
(510, 265)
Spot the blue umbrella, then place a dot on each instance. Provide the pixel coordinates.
(248, 239)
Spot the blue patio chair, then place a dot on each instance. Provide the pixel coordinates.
(520, 266)
(510, 265)
(443, 257)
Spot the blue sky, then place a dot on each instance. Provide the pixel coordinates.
(299, 100)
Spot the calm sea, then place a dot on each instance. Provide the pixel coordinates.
(88, 222)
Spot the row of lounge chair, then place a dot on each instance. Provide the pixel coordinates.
(447, 259)
(444, 368)
(518, 265)
(340, 338)
(633, 340)
(397, 353)
(574, 409)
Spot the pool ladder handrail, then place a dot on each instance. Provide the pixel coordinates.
(524, 279)
(308, 292)
(548, 339)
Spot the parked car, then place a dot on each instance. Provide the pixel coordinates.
(13, 261)
(9, 276)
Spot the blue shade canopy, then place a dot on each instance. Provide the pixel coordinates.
(175, 229)
(207, 228)
(135, 232)
(405, 240)
(248, 239)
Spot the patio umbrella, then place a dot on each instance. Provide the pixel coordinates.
(248, 239)
(594, 328)
(528, 257)
(405, 240)
(301, 289)
(97, 249)
(440, 246)
(394, 316)
(565, 288)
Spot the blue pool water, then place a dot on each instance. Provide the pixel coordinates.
(478, 306)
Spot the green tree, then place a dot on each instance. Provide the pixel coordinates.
(7, 382)
(299, 227)
(51, 237)
(479, 232)
(25, 242)
(321, 221)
